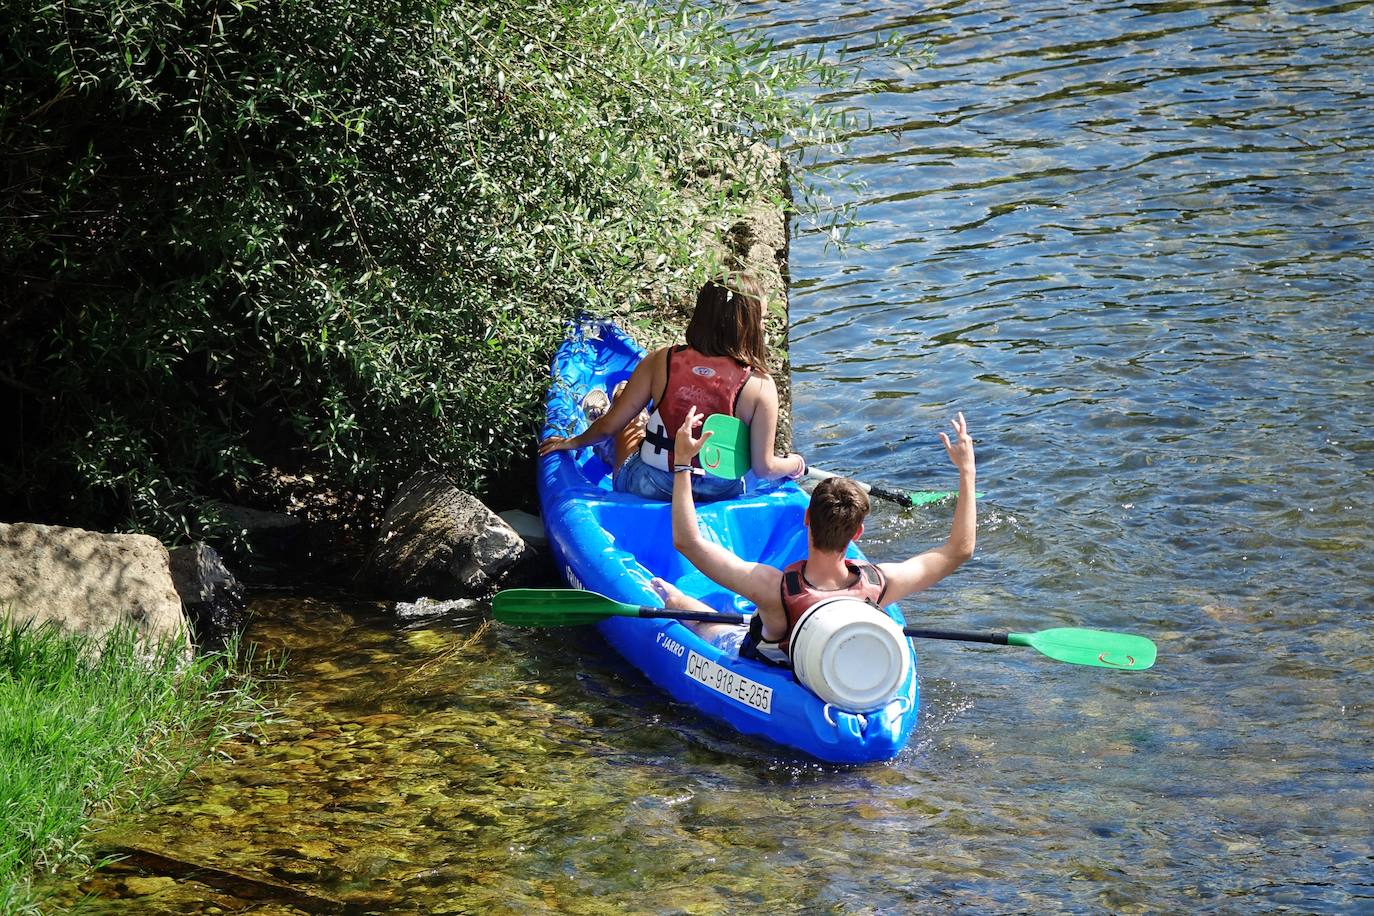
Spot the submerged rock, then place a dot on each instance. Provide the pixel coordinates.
(89, 583)
(429, 607)
(441, 542)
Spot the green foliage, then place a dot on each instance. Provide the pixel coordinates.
(86, 730)
(342, 236)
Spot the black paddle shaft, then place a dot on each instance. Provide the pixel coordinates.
(997, 639)
(895, 496)
(660, 613)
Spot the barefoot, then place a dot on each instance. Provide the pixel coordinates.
(595, 404)
(670, 594)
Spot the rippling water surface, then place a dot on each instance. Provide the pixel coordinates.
(1132, 242)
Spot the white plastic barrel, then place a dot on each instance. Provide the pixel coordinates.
(850, 654)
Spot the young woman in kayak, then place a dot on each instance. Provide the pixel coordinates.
(722, 368)
(835, 517)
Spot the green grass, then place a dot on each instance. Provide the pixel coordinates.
(89, 730)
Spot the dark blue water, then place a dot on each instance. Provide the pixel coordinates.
(1132, 243)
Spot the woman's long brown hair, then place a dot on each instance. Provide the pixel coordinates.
(728, 321)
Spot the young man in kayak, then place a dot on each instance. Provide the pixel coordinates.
(835, 517)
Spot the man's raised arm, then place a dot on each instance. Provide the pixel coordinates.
(756, 581)
(924, 570)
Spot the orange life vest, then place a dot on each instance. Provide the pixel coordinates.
(799, 596)
(711, 384)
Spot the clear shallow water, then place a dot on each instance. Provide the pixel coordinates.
(1132, 243)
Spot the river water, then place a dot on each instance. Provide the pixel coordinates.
(1132, 242)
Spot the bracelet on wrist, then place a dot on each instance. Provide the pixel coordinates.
(695, 472)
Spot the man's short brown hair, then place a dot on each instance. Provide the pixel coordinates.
(838, 508)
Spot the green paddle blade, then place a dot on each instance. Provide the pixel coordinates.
(1098, 648)
(556, 607)
(726, 453)
(926, 497)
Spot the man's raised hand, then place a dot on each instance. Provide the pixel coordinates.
(685, 447)
(960, 451)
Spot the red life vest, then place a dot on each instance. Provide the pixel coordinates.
(712, 384)
(799, 596)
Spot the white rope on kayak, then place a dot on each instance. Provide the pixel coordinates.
(863, 720)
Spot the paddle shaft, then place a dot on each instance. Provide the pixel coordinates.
(726, 454)
(896, 496)
(560, 607)
(998, 639)
(661, 613)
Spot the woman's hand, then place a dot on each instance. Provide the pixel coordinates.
(960, 451)
(685, 447)
(555, 444)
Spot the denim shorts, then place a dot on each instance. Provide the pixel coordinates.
(728, 641)
(641, 479)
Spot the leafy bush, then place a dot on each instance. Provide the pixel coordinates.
(342, 236)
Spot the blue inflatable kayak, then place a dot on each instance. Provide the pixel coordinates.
(613, 543)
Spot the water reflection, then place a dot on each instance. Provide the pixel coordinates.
(1128, 240)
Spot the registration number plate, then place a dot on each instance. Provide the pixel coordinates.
(722, 680)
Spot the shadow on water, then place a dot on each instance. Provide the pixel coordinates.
(1131, 242)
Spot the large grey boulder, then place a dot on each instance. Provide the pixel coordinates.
(87, 582)
(213, 601)
(438, 541)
